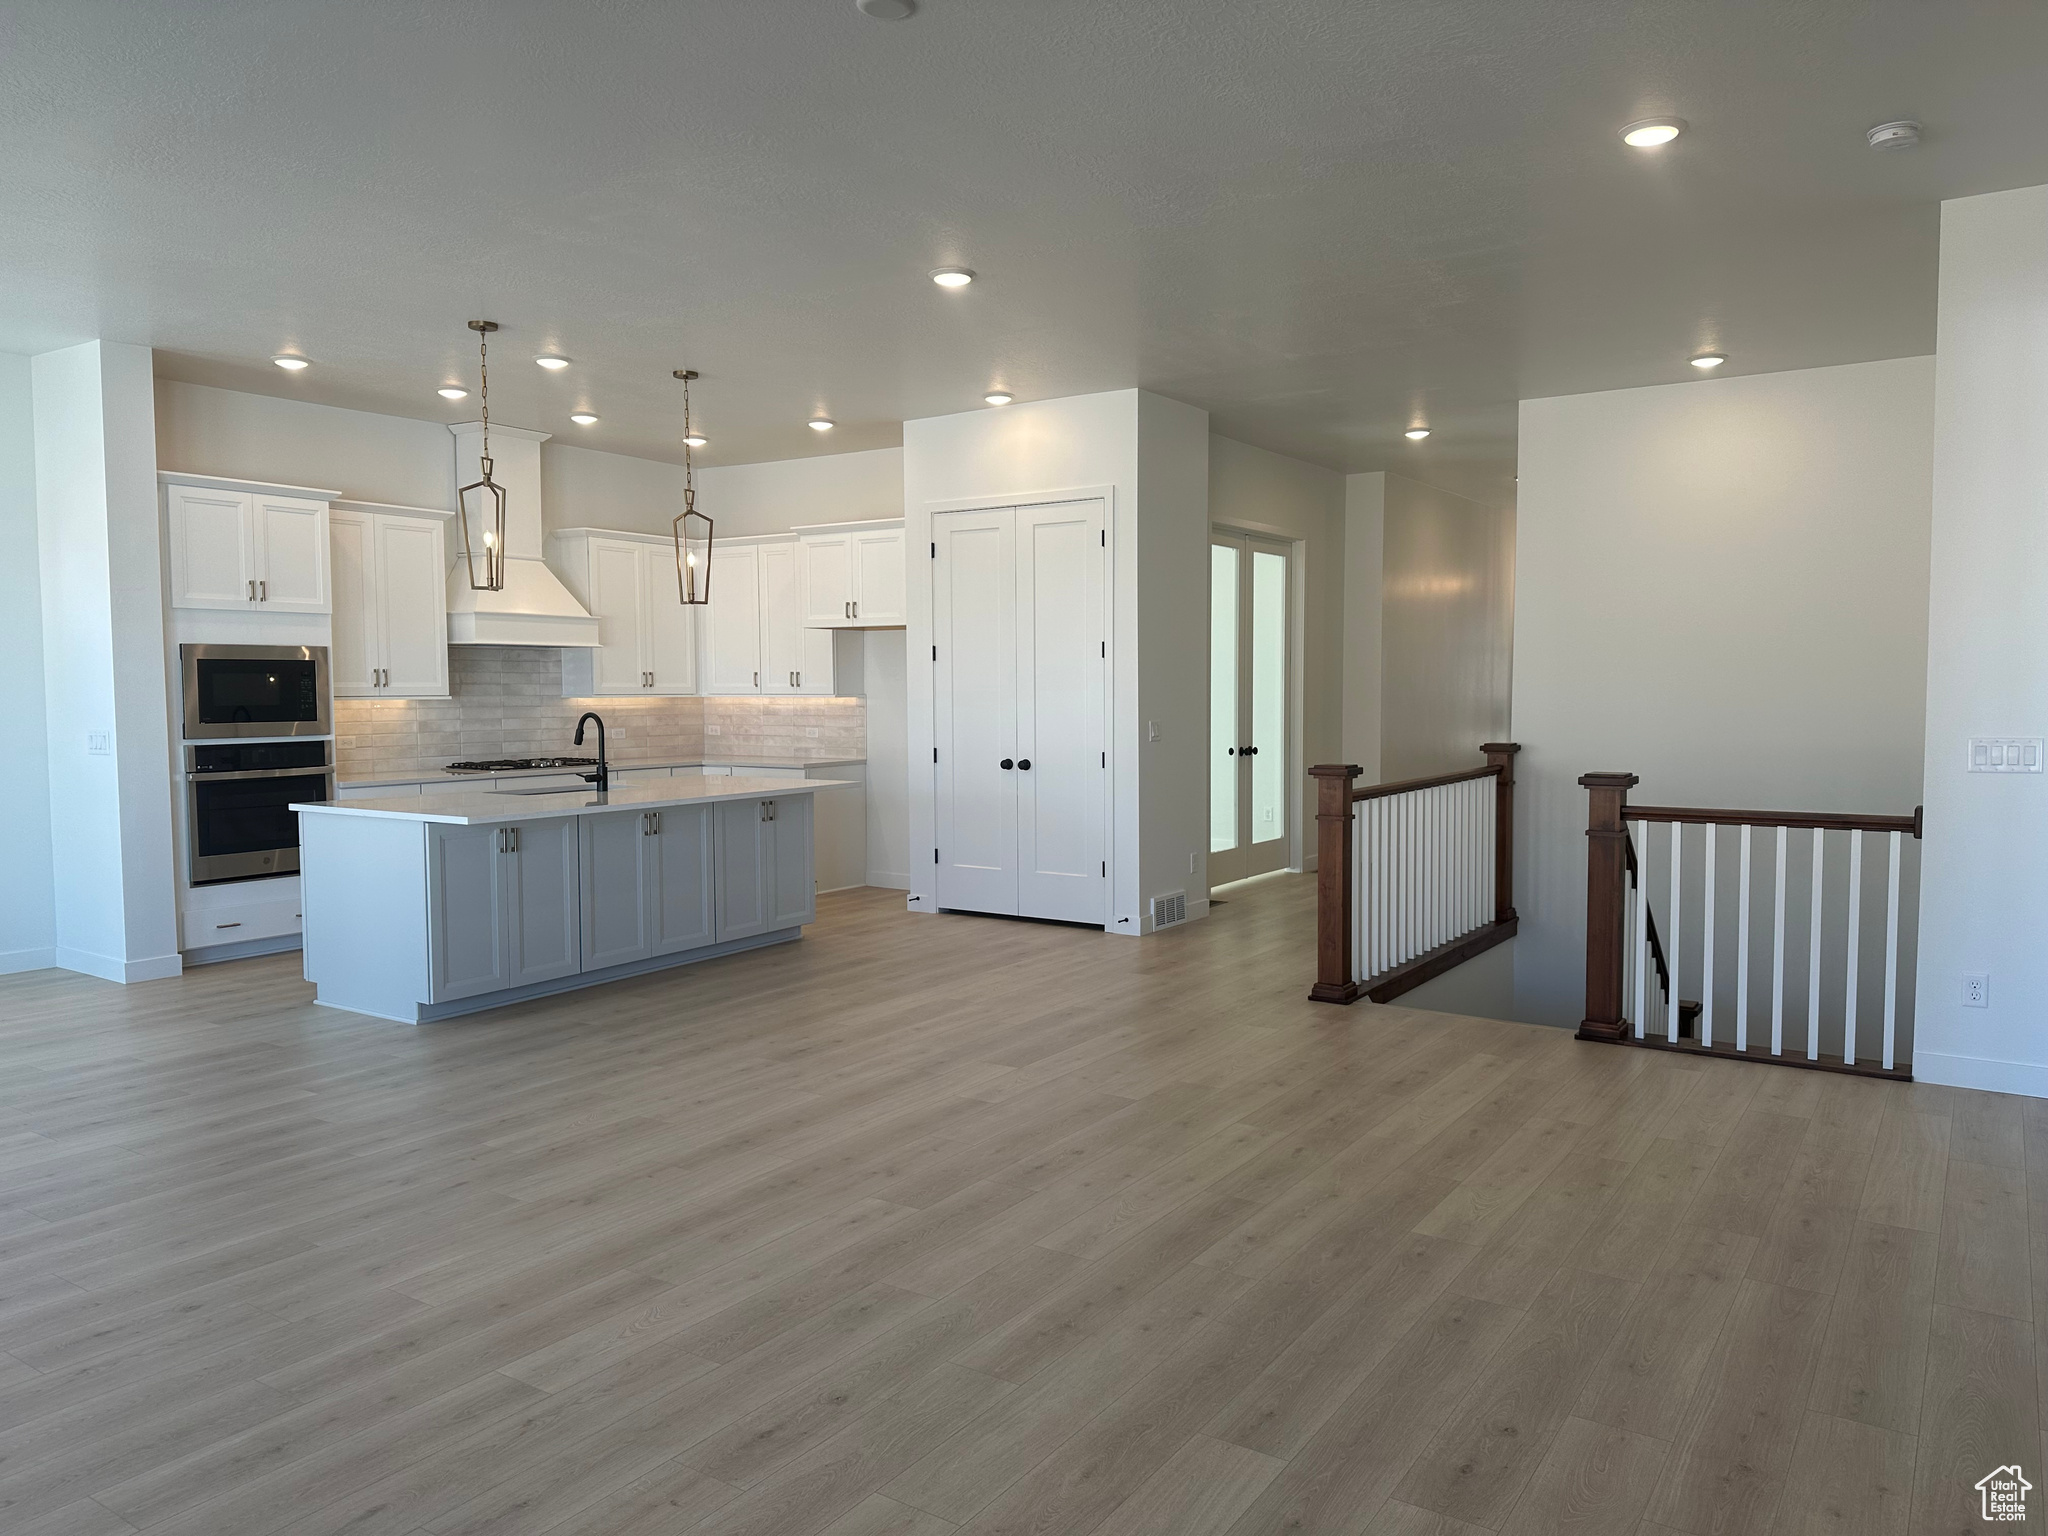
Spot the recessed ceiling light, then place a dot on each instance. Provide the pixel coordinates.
(999, 397)
(952, 277)
(289, 363)
(1416, 434)
(583, 418)
(1709, 360)
(450, 392)
(696, 439)
(552, 363)
(821, 424)
(886, 10)
(1652, 131)
(1903, 134)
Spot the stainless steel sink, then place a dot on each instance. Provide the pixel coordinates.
(580, 789)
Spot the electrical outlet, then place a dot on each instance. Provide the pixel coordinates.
(1976, 991)
(710, 730)
(811, 731)
(99, 743)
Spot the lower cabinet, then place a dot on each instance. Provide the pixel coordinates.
(764, 858)
(647, 883)
(503, 906)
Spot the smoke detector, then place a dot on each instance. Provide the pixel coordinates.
(1903, 134)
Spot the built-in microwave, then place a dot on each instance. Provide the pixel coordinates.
(255, 690)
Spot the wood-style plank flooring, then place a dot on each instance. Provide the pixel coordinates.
(938, 1223)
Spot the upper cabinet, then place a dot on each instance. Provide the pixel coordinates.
(647, 638)
(853, 575)
(755, 637)
(390, 638)
(254, 550)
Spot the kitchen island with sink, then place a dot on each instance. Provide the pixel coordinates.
(423, 907)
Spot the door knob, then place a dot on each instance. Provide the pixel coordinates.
(1230, 751)
(1008, 764)
(1023, 762)
(1251, 751)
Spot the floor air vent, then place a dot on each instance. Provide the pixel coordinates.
(1169, 909)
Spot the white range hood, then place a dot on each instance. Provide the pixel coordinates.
(534, 608)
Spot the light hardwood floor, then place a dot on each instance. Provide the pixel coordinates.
(938, 1222)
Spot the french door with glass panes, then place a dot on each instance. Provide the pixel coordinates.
(1248, 738)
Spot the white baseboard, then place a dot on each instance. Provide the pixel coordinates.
(14, 960)
(1981, 1072)
(107, 968)
(890, 879)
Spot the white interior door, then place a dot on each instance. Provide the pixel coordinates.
(1061, 768)
(974, 714)
(733, 622)
(1250, 586)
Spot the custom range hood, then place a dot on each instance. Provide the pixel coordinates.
(534, 608)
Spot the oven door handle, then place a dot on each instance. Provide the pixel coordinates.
(201, 776)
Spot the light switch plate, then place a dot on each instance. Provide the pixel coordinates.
(2005, 754)
(99, 743)
(1976, 991)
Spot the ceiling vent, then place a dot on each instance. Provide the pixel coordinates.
(1169, 909)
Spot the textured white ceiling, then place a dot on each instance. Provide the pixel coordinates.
(1316, 218)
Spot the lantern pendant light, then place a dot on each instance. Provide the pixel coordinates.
(482, 503)
(692, 528)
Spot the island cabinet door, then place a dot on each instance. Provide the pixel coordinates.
(466, 917)
(685, 892)
(618, 876)
(542, 893)
(794, 892)
(746, 869)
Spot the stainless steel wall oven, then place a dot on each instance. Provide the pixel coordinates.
(238, 797)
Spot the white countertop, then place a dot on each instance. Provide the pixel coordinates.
(443, 776)
(494, 807)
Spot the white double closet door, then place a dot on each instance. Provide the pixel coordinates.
(1020, 624)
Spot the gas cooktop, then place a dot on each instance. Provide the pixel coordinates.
(516, 764)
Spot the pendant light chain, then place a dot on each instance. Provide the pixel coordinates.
(483, 368)
(689, 463)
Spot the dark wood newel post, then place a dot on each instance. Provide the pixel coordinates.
(1334, 883)
(1501, 755)
(1606, 893)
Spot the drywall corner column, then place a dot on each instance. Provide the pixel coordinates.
(27, 916)
(100, 557)
(1983, 905)
(1365, 523)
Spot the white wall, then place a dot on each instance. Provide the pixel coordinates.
(104, 662)
(1365, 533)
(831, 488)
(1721, 586)
(1151, 456)
(27, 910)
(1447, 607)
(366, 457)
(883, 671)
(1984, 895)
(1263, 492)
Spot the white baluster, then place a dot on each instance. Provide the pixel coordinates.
(1813, 955)
(1855, 943)
(1642, 933)
(1707, 949)
(1742, 948)
(1891, 957)
(1671, 949)
(1361, 873)
(1778, 956)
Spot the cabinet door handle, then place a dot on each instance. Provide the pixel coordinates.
(263, 591)
(757, 679)
(856, 607)
(657, 819)
(252, 591)
(847, 609)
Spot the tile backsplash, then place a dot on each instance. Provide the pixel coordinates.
(506, 701)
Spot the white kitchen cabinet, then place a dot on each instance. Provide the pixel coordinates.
(756, 639)
(853, 575)
(503, 906)
(647, 637)
(247, 550)
(390, 637)
(764, 866)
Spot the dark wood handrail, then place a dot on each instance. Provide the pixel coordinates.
(1336, 878)
(1825, 821)
(1408, 786)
